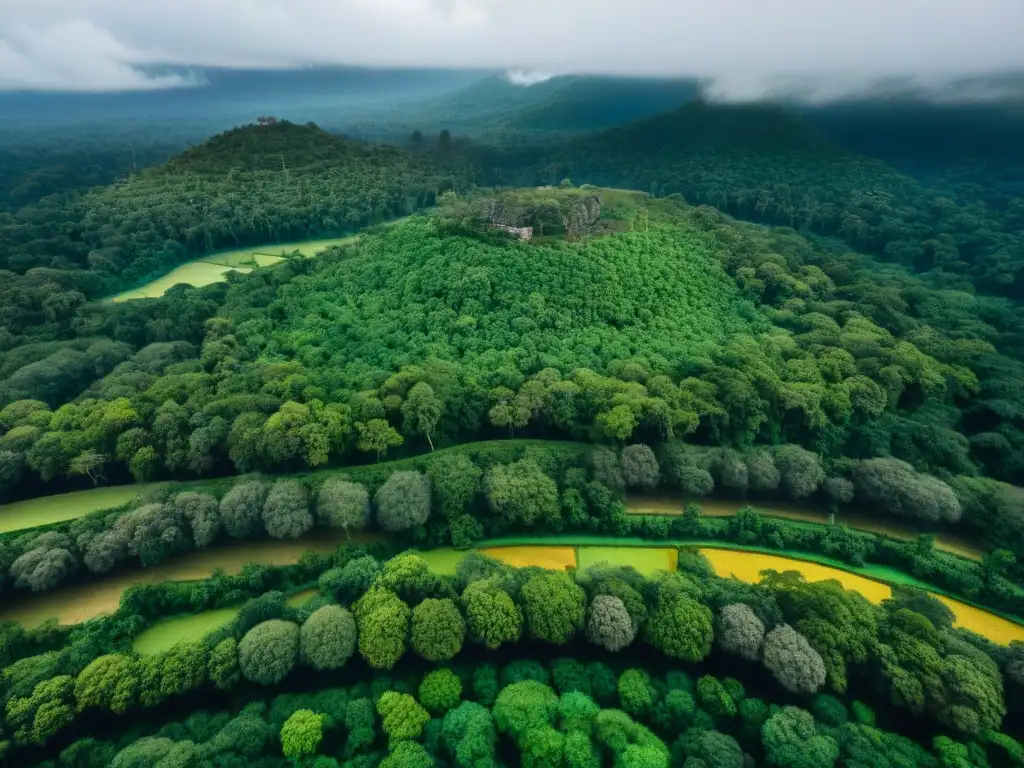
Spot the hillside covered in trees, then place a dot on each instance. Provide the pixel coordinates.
(712, 304)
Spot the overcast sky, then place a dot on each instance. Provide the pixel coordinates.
(745, 47)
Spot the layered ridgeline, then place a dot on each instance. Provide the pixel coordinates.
(253, 185)
(766, 163)
(630, 319)
(496, 109)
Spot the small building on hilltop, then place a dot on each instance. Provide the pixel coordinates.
(523, 233)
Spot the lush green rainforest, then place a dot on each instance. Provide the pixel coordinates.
(455, 380)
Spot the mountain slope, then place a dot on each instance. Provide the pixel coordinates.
(246, 186)
(765, 163)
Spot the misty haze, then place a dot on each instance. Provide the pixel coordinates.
(471, 384)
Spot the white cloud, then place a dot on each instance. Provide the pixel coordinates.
(745, 48)
(527, 77)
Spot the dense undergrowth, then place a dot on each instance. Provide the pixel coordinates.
(785, 643)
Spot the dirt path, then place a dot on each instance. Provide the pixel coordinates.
(78, 603)
(667, 505)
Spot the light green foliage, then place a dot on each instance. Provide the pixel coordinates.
(521, 493)
(524, 706)
(492, 616)
(155, 752)
(403, 501)
(714, 698)
(268, 651)
(440, 691)
(222, 667)
(438, 629)
(38, 717)
(553, 606)
(301, 734)
(383, 622)
(183, 669)
(407, 754)
(680, 627)
(376, 436)
(409, 576)
(422, 410)
(576, 712)
(579, 752)
(791, 740)
(541, 747)
(108, 682)
(402, 717)
(327, 638)
(636, 694)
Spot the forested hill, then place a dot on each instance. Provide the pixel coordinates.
(765, 163)
(248, 186)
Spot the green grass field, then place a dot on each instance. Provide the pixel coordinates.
(165, 634)
(67, 506)
(213, 268)
(443, 560)
(647, 560)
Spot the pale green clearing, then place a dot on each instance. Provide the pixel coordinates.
(164, 635)
(213, 268)
(66, 506)
(443, 560)
(647, 560)
(194, 273)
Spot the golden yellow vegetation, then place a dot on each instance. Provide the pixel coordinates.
(552, 558)
(747, 566)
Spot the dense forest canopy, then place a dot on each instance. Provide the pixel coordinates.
(598, 297)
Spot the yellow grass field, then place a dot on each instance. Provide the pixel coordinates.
(552, 558)
(747, 566)
(665, 505)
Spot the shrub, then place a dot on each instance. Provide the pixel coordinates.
(403, 501)
(342, 504)
(740, 631)
(792, 660)
(440, 691)
(286, 511)
(640, 467)
(438, 629)
(268, 651)
(327, 638)
(241, 509)
(301, 734)
(609, 624)
(554, 607)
